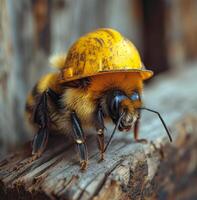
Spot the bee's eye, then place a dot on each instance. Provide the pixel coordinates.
(116, 101)
(135, 96)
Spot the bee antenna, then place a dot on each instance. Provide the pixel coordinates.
(168, 132)
(115, 128)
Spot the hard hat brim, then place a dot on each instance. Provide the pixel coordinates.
(145, 74)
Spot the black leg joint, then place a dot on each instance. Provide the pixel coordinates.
(79, 138)
(77, 129)
(99, 119)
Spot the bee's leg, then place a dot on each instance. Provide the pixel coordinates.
(100, 132)
(79, 138)
(42, 120)
(136, 130)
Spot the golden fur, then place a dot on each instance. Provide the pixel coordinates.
(50, 80)
(58, 61)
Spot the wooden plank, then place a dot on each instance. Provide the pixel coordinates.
(157, 170)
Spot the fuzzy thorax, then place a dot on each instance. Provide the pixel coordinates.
(79, 101)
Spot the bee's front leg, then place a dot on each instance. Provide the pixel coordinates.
(136, 131)
(100, 132)
(79, 138)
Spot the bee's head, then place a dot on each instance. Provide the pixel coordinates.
(122, 108)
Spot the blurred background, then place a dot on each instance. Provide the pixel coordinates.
(164, 31)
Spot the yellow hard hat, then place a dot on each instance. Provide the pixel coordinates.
(99, 52)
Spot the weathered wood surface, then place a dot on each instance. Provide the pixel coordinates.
(158, 170)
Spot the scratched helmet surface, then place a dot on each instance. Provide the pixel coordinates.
(100, 52)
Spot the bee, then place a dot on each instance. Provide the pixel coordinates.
(99, 80)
